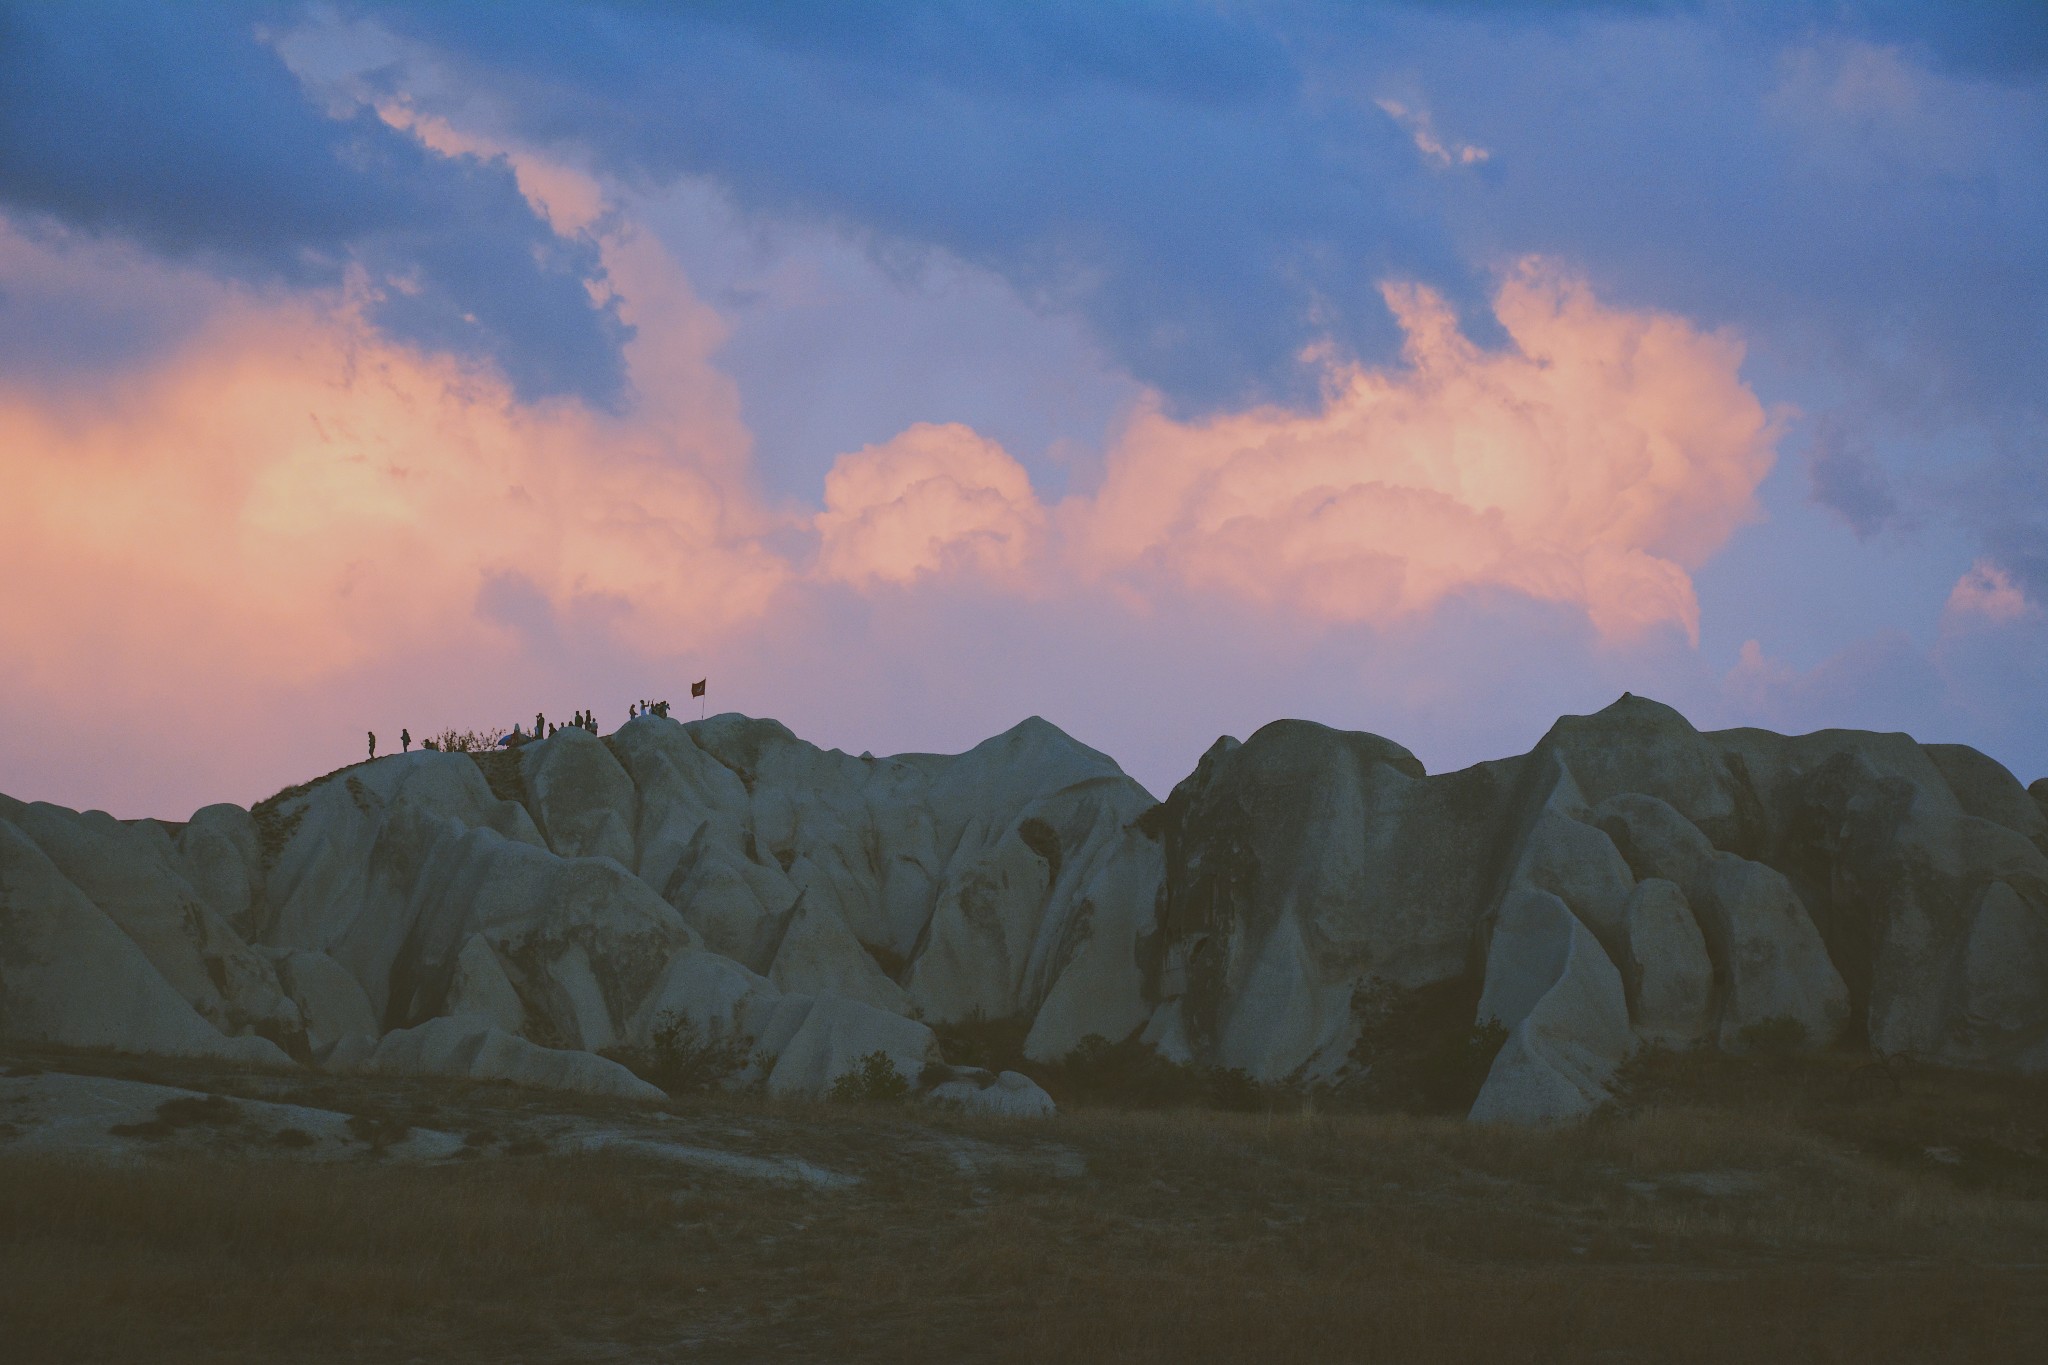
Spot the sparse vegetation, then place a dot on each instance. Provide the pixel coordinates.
(1418, 1051)
(684, 1059)
(874, 1079)
(1728, 1209)
(467, 741)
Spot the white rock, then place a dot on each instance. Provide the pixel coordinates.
(68, 975)
(130, 876)
(1770, 956)
(714, 994)
(836, 1034)
(1550, 982)
(220, 855)
(1666, 972)
(469, 1047)
(820, 955)
(580, 798)
(1010, 1095)
(480, 988)
(330, 1000)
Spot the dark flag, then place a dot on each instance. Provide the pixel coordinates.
(697, 688)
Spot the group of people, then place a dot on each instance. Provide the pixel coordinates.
(583, 720)
(541, 728)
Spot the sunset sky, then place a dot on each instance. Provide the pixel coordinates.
(910, 369)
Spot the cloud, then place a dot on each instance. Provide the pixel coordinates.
(933, 499)
(1592, 462)
(184, 133)
(1845, 476)
(1987, 591)
(1420, 127)
(292, 494)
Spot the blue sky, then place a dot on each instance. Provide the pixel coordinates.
(723, 255)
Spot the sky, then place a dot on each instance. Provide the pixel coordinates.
(908, 370)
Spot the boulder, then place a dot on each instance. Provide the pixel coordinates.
(1985, 788)
(1009, 1095)
(1305, 861)
(740, 908)
(68, 975)
(1100, 986)
(990, 902)
(1579, 864)
(836, 1035)
(581, 800)
(329, 999)
(479, 988)
(130, 874)
(2004, 986)
(1665, 970)
(1551, 984)
(819, 955)
(1654, 839)
(221, 856)
(1768, 955)
(472, 1049)
(1771, 961)
(712, 994)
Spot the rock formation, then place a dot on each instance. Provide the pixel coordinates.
(1629, 882)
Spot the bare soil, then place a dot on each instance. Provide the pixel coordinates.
(1809, 1209)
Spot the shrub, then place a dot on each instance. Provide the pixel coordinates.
(1450, 1074)
(684, 1059)
(992, 1044)
(1779, 1036)
(874, 1079)
(1418, 1050)
(465, 741)
(1131, 1072)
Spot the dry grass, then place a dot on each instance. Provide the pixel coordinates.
(1786, 1223)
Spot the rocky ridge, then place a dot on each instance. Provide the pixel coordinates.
(1629, 882)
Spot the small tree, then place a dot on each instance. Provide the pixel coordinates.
(684, 1059)
(874, 1079)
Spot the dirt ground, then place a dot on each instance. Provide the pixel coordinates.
(1815, 1209)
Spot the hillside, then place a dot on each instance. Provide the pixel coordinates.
(1308, 913)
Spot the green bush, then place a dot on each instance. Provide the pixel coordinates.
(992, 1044)
(684, 1059)
(1418, 1050)
(874, 1079)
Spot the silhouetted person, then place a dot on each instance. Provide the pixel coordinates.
(540, 724)
(405, 740)
(373, 743)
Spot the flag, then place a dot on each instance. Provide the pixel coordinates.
(697, 688)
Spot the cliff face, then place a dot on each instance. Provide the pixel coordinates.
(1630, 880)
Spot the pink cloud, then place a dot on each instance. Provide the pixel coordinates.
(933, 498)
(287, 496)
(1987, 591)
(1593, 463)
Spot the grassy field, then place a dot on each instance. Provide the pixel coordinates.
(1801, 1210)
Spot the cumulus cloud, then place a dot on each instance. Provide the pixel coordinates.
(292, 493)
(1592, 462)
(934, 498)
(1987, 591)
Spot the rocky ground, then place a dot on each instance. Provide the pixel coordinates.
(1811, 1207)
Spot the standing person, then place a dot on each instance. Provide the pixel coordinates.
(405, 740)
(540, 724)
(373, 743)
